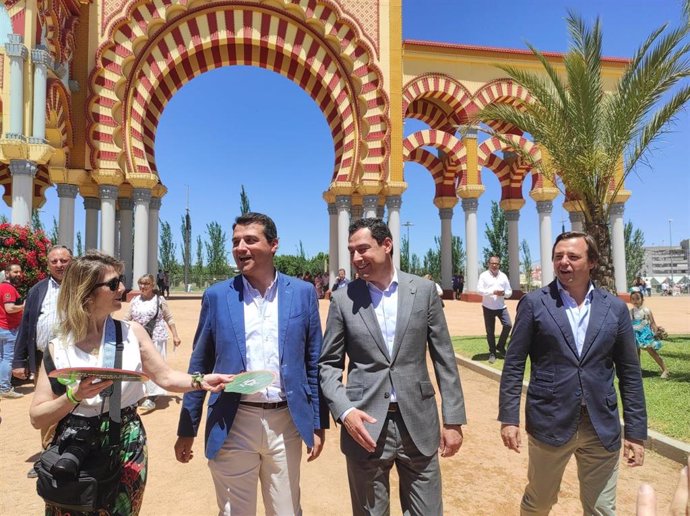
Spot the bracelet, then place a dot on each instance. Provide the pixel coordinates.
(70, 395)
(197, 378)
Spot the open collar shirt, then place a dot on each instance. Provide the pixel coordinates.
(261, 335)
(578, 316)
(47, 319)
(385, 303)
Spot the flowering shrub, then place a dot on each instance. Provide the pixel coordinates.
(28, 248)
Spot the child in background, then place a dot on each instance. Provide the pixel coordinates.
(645, 327)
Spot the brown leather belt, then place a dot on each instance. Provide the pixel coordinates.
(393, 407)
(265, 406)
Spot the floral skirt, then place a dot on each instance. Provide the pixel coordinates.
(645, 338)
(134, 458)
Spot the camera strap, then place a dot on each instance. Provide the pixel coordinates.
(116, 396)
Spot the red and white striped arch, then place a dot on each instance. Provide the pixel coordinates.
(444, 91)
(159, 46)
(503, 91)
(510, 174)
(58, 115)
(444, 174)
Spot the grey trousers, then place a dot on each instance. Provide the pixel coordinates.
(490, 326)
(420, 476)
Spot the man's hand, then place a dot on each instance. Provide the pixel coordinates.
(451, 440)
(511, 437)
(20, 372)
(354, 424)
(633, 452)
(183, 449)
(319, 440)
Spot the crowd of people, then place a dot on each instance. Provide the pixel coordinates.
(381, 327)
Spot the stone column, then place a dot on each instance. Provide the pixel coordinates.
(17, 53)
(332, 243)
(108, 196)
(91, 207)
(154, 210)
(381, 210)
(41, 59)
(356, 212)
(23, 172)
(126, 237)
(545, 241)
(66, 194)
(470, 207)
(618, 246)
(393, 203)
(577, 219)
(141, 197)
(446, 216)
(512, 217)
(342, 204)
(370, 204)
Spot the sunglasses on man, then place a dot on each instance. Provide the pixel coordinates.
(112, 284)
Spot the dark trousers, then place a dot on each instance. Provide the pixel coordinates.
(490, 325)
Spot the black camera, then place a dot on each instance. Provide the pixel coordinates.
(76, 442)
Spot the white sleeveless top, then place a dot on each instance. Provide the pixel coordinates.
(66, 354)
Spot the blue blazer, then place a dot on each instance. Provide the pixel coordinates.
(220, 347)
(25, 346)
(561, 380)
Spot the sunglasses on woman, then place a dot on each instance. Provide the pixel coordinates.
(112, 284)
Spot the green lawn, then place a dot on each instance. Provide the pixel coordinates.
(668, 401)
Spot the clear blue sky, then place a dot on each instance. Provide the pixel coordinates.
(248, 126)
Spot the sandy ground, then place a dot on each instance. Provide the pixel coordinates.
(483, 479)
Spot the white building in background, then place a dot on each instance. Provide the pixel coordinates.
(667, 263)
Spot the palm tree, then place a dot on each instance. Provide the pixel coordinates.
(595, 138)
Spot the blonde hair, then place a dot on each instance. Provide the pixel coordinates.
(80, 279)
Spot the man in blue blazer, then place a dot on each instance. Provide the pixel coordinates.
(259, 320)
(576, 337)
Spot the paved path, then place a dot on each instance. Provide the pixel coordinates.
(484, 479)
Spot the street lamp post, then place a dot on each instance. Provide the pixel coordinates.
(407, 225)
(670, 250)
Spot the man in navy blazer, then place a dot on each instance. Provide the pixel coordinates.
(576, 337)
(259, 320)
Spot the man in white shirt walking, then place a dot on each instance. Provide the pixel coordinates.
(494, 287)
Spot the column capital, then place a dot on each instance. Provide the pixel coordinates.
(512, 215)
(40, 56)
(393, 202)
(155, 203)
(125, 203)
(332, 210)
(544, 206)
(67, 190)
(445, 213)
(343, 202)
(617, 208)
(15, 46)
(23, 167)
(576, 216)
(356, 211)
(470, 205)
(370, 202)
(108, 192)
(92, 203)
(141, 196)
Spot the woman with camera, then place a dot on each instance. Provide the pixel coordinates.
(91, 291)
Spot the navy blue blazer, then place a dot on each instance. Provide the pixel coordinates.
(25, 346)
(220, 347)
(560, 380)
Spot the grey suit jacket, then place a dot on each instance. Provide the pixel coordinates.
(353, 331)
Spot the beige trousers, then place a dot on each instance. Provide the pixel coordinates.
(597, 471)
(263, 445)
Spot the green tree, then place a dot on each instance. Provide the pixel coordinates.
(415, 265)
(526, 264)
(54, 233)
(199, 265)
(79, 250)
(404, 254)
(459, 257)
(167, 249)
(216, 253)
(431, 263)
(634, 252)
(244, 202)
(496, 235)
(186, 230)
(36, 223)
(592, 139)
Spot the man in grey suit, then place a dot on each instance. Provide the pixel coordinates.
(384, 322)
(577, 337)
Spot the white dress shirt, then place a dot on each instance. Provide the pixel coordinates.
(578, 316)
(488, 283)
(47, 319)
(261, 336)
(385, 303)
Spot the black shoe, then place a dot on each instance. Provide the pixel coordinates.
(501, 352)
